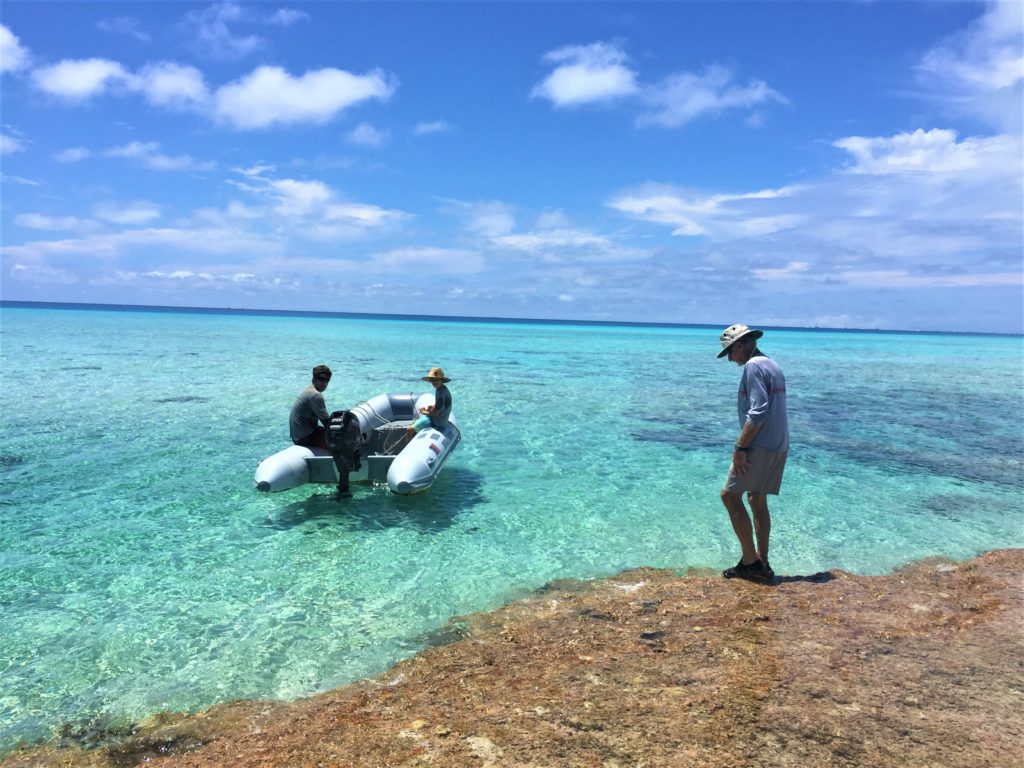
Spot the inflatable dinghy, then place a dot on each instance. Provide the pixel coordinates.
(383, 420)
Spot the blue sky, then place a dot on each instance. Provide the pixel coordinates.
(794, 163)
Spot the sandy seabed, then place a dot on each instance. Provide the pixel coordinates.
(922, 667)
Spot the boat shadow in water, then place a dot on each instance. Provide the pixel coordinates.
(373, 506)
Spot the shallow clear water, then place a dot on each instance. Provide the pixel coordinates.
(140, 571)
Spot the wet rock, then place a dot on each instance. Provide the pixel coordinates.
(918, 668)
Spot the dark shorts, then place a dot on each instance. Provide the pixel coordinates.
(315, 439)
(764, 473)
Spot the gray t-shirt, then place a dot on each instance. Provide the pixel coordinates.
(309, 408)
(762, 401)
(442, 406)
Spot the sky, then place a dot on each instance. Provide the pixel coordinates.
(832, 164)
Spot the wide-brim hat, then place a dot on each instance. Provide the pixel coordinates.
(436, 374)
(734, 333)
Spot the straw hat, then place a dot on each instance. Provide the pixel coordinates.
(435, 375)
(734, 333)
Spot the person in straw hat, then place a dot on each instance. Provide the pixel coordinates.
(435, 415)
(759, 456)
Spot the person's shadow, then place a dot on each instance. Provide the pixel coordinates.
(821, 577)
(371, 506)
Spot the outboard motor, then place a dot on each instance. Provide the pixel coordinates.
(343, 440)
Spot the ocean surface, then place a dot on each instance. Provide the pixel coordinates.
(140, 571)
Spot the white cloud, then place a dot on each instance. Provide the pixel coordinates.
(72, 155)
(599, 73)
(255, 171)
(8, 179)
(9, 145)
(149, 155)
(123, 25)
(183, 282)
(210, 33)
(979, 72)
(428, 260)
(266, 97)
(127, 214)
(987, 56)
(553, 240)
(536, 242)
(285, 17)
(684, 97)
(299, 198)
(920, 210)
(695, 214)
(211, 29)
(587, 74)
(359, 213)
(901, 278)
(173, 86)
(436, 126)
(553, 220)
(81, 79)
(936, 151)
(488, 218)
(571, 246)
(213, 240)
(164, 84)
(44, 222)
(13, 56)
(239, 210)
(365, 135)
(42, 273)
(271, 96)
(792, 269)
(309, 208)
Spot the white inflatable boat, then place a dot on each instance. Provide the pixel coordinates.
(383, 421)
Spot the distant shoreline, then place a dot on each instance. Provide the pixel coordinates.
(241, 311)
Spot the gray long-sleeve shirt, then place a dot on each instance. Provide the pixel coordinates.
(308, 409)
(762, 402)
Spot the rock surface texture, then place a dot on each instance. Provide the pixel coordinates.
(923, 667)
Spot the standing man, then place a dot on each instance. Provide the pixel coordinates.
(759, 456)
(310, 408)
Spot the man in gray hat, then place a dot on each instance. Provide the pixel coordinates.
(759, 456)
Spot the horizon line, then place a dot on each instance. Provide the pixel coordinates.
(167, 308)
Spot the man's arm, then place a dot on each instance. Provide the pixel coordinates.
(320, 409)
(757, 391)
(739, 451)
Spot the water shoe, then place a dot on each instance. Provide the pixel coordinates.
(755, 571)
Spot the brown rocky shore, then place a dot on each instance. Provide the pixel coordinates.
(922, 667)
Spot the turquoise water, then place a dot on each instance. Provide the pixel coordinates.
(140, 571)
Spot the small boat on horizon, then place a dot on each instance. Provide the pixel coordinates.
(384, 457)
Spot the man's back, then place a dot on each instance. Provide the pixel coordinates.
(309, 407)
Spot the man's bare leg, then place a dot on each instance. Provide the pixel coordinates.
(762, 522)
(740, 524)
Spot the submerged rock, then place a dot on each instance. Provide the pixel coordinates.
(918, 668)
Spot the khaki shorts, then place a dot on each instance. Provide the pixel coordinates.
(764, 473)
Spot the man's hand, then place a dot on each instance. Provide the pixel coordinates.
(739, 462)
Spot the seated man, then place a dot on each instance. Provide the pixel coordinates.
(310, 408)
(435, 415)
